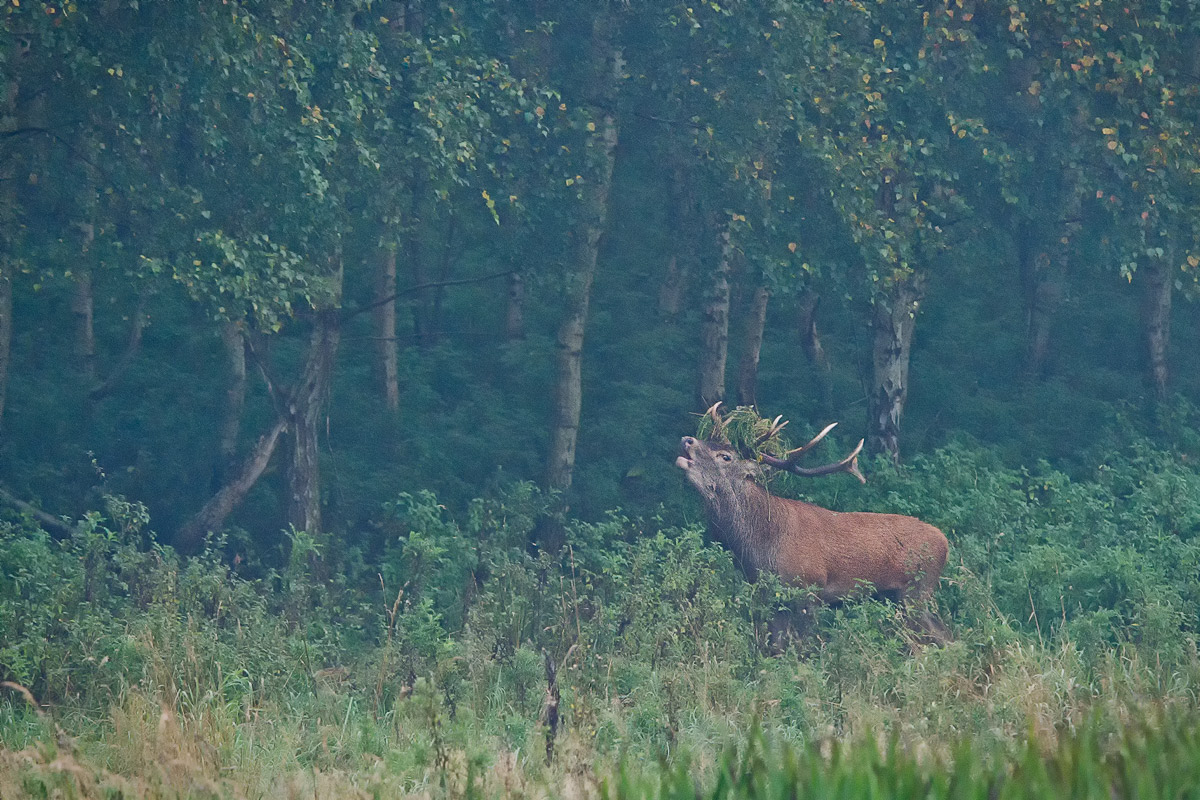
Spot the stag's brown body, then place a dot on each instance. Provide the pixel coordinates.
(806, 545)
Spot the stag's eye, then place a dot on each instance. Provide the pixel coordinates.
(726, 457)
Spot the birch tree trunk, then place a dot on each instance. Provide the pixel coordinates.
(893, 322)
(756, 321)
(714, 327)
(303, 507)
(588, 230)
(213, 514)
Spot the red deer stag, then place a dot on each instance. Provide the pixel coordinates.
(806, 545)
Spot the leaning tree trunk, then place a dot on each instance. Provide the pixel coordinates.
(212, 516)
(384, 316)
(593, 217)
(892, 327)
(1156, 320)
(303, 507)
(756, 321)
(810, 342)
(714, 327)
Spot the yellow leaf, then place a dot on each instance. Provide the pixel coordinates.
(878, 42)
(1193, 261)
(792, 246)
(591, 126)
(1108, 131)
(1112, 145)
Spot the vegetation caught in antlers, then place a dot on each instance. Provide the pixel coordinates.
(760, 439)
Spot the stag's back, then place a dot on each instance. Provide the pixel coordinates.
(840, 551)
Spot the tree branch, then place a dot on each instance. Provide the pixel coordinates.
(351, 313)
(48, 521)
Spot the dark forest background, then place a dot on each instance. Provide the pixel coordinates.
(313, 255)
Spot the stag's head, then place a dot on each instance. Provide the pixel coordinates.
(715, 468)
(718, 468)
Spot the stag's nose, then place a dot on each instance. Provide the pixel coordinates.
(688, 441)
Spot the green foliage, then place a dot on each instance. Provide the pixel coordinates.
(1071, 602)
(743, 428)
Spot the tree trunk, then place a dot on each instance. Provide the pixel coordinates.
(893, 323)
(1040, 283)
(212, 516)
(588, 230)
(810, 341)
(756, 322)
(8, 236)
(1044, 252)
(681, 217)
(714, 327)
(1156, 320)
(83, 302)
(670, 292)
(418, 269)
(439, 292)
(83, 306)
(235, 399)
(386, 349)
(137, 327)
(514, 318)
(6, 325)
(304, 423)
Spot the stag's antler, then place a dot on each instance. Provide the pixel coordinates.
(773, 431)
(718, 430)
(790, 462)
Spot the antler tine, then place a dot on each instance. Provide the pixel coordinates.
(718, 423)
(776, 427)
(848, 464)
(793, 455)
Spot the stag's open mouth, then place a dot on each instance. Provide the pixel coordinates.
(685, 458)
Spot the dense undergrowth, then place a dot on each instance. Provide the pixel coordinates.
(439, 656)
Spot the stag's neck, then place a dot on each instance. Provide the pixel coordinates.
(747, 523)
